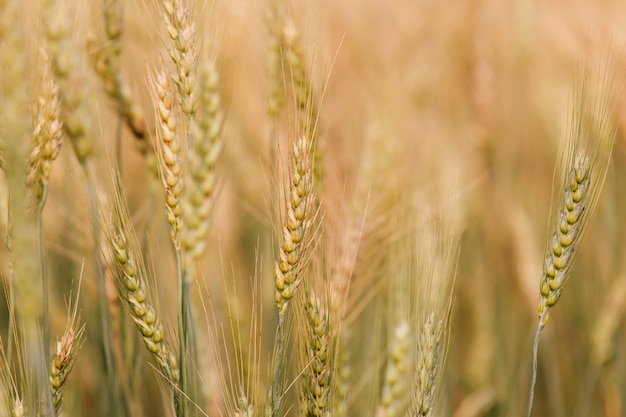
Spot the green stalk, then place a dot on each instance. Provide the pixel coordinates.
(183, 323)
(274, 393)
(533, 382)
(44, 282)
(105, 318)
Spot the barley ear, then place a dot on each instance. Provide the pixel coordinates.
(184, 53)
(297, 225)
(105, 59)
(397, 373)
(63, 359)
(200, 195)
(316, 388)
(48, 134)
(169, 152)
(578, 179)
(75, 115)
(429, 358)
(132, 285)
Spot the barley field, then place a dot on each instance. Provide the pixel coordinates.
(312, 208)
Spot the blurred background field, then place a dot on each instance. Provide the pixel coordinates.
(465, 98)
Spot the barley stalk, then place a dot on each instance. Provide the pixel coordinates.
(46, 146)
(288, 271)
(578, 180)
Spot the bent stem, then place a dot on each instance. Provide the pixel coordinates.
(533, 382)
(107, 332)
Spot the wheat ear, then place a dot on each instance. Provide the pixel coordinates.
(131, 282)
(200, 196)
(47, 137)
(578, 180)
(76, 119)
(169, 152)
(429, 357)
(64, 358)
(184, 53)
(106, 61)
(396, 378)
(296, 241)
(317, 374)
(296, 226)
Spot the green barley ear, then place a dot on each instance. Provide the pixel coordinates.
(578, 179)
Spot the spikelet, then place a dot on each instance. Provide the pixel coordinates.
(244, 408)
(19, 410)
